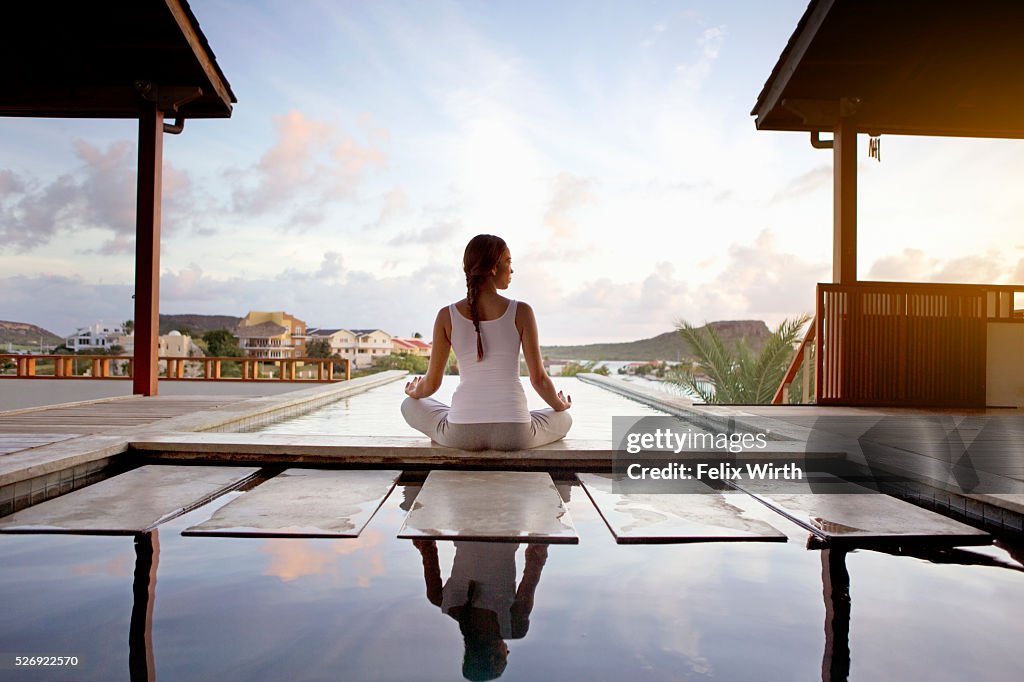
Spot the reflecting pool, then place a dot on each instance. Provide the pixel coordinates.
(377, 411)
(188, 608)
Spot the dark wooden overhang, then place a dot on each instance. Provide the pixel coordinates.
(102, 59)
(904, 67)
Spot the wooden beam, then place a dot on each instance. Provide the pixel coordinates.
(788, 68)
(844, 219)
(147, 248)
(201, 53)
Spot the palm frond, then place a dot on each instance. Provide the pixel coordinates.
(775, 357)
(734, 375)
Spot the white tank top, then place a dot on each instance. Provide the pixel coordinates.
(489, 390)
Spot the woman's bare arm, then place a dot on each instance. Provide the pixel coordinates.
(427, 385)
(534, 363)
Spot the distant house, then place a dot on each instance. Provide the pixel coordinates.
(177, 345)
(410, 346)
(362, 347)
(272, 335)
(371, 345)
(99, 336)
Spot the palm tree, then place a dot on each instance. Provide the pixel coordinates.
(733, 375)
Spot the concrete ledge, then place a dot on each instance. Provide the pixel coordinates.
(716, 418)
(285, 449)
(55, 457)
(269, 408)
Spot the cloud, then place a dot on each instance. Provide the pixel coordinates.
(693, 75)
(43, 300)
(394, 206)
(757, 281)
(310, 165)
(807, 183)
(567, 194)
(436, 233)
(99, 194)
(912, 265)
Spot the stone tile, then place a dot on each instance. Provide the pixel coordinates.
(499, 506)
(699, 515)
(134, 502)
(839, 512)
(303, 503)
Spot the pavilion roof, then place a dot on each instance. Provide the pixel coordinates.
(69, 58)
(914, 67)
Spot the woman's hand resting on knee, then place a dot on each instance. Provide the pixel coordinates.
(413, 388)
(566, 402)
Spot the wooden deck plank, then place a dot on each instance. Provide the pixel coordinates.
(496, 506)
(700, 514)
(96, 417)
(15, 442)
(133, 502)
(841, 512)
(313, 503)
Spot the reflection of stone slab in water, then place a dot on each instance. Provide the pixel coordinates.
(311, 503)
(499, 506)
(134, 502)
(699, 515)
(836, 510)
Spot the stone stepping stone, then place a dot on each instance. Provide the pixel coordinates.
(136, 501)
(841, 512)
(303, 503)
(496, 506)
(701, 514)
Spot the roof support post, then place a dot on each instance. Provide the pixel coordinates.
(147, 249)
(844, 220)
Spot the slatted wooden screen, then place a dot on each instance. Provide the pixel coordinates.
(890, 343)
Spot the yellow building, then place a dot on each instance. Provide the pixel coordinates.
(272, 335)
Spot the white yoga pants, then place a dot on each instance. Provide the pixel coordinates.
(430, 417)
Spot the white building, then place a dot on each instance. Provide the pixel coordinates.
(361, 347)
(99, 336)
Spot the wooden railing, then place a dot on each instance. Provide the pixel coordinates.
(321, 370)
(894, 343)
(803, 359)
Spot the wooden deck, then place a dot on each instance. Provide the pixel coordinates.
(35, 427)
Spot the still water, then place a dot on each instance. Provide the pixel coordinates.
(266, 609)
(377, 411)
(194, 608)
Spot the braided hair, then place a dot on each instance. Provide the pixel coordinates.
(482, 254)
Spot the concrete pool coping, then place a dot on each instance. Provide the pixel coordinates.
(41, 472)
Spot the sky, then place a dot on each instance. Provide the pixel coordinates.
(609, 143)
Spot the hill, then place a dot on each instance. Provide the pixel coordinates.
(197, 325)
(26, 335)
(667, 346)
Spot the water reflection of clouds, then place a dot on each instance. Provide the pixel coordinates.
(927, 600)
(361, 558)
(116, 566)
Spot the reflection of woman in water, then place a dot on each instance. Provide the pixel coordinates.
(481, 595)
(487, 330)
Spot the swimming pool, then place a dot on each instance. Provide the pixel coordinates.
(377, 411)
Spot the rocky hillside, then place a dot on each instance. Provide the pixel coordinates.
(25, 335)
(667, 346)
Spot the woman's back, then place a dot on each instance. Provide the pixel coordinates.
(489, 389)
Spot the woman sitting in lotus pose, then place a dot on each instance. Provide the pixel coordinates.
(488, 410)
